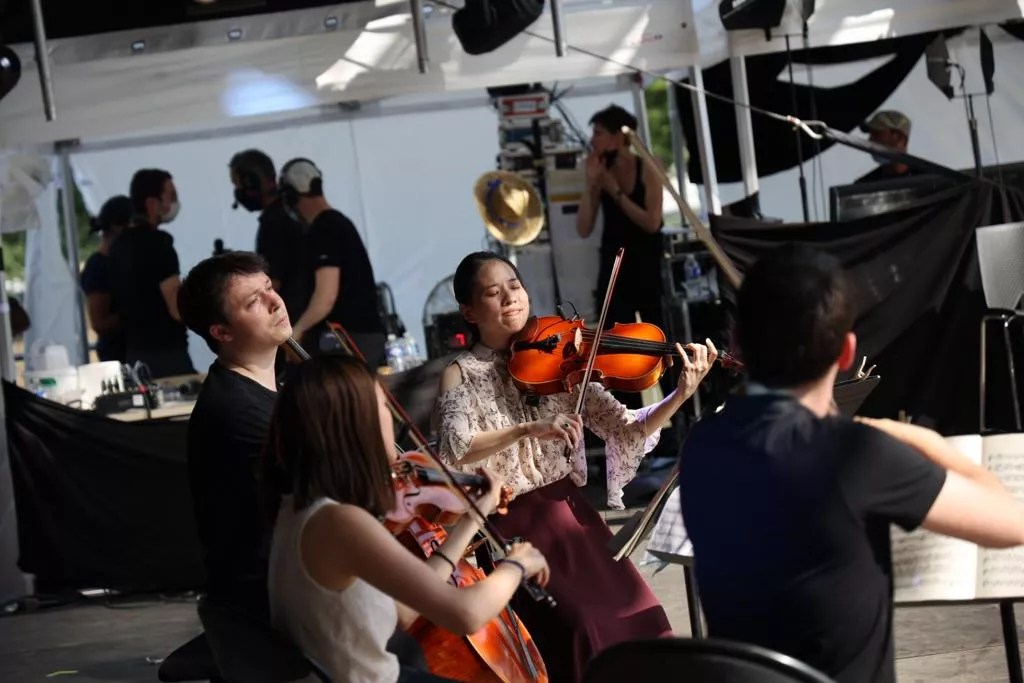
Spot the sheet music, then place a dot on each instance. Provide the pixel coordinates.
(928, 566)
(669, 537)
(1001, 572)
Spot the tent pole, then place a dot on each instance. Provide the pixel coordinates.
(712, 203)
(640, 107)
(43, 60)
(419, 32)
(678, 138)
(744, 128)
(67, 193)
(558, 28)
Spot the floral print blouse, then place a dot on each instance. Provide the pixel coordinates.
(488, 400)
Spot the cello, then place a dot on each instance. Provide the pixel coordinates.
(429, 496)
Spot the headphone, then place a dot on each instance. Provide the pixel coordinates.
(299, 177)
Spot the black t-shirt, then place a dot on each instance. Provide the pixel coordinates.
(332, 240)
(789, 516)
(226, 435)
(140, 259)
(95, 279)
(279, 240)
(885, 172)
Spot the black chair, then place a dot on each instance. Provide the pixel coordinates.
(697, 661)
(193, 661)
(249, 651)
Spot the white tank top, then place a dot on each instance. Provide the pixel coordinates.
(345, 631)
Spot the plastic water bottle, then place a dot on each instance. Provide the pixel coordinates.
(395, 352)
(411, 352)
(692, 276)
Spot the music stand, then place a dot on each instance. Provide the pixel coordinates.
(850, 394)
(1001, 259)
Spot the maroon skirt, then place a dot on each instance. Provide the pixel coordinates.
(601, 602)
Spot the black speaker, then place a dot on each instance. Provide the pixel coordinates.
(938, 65)
(988, 62)
(739, 15)
(447, 332)
(482, 26)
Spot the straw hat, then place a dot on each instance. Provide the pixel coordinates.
(510, 207)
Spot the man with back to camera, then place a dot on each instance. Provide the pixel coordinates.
(278, 235)
(230, 302)
(338, 269)
(144, 275)
(889, 129)
(788, 504)
(112, 220)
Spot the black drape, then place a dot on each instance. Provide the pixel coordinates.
(843, 107)
(100, 503)
(919, 293)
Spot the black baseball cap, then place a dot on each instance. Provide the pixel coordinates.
(115, 211)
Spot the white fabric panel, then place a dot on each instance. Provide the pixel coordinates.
(220, 85)
(200, 171)
(52, 290)
(939, 130)
(841, 22)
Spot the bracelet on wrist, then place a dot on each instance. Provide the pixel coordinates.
(517, 565)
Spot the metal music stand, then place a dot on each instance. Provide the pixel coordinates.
(1001, 258)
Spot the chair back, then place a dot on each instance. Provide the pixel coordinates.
(697, 661)
(250, 651)
(1001, 259)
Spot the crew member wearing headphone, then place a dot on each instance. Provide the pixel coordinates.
(113, 218)
(278, 235)
(145, 278)
(338, 269)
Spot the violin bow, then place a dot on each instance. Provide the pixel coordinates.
(703, 232)
(596, 341)
(486, 527)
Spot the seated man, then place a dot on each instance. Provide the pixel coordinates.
(789, 504)
(229, 301)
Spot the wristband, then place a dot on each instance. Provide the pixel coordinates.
(517, 565)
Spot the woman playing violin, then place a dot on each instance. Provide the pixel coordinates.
(338, 580)
(482, 419)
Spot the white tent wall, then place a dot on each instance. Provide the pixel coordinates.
(405, 180)
(939, 131)
(52, 292)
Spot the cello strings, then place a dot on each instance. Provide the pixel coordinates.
(805, 126)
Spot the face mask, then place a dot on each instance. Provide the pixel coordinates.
(171, 213)
(247, 201)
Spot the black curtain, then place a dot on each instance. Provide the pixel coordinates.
(843, 108)
(920, 301)
(100, 503)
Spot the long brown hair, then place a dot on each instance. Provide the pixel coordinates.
(325, 439)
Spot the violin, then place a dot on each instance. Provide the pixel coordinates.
(550, 355)
(423, 493)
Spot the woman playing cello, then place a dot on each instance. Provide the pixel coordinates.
(482, 419)
(338, 580)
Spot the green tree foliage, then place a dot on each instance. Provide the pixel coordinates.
(658, 120)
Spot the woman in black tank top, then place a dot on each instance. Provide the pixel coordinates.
(630, 202)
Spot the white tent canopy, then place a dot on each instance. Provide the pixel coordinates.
(195, 75)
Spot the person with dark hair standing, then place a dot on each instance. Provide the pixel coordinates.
(789, 504)
(339, 581)
(627, 193)
(229, 301)
(112, 220)
(338, 269)
(483, 420)
(278, 235)
(145, 278)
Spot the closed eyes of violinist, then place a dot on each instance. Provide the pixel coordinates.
(499, 309)
(329, 462)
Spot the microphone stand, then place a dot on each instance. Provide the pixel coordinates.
(972, 122)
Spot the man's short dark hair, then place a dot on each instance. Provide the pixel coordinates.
(201, 296)
(254, 161)
(147, 183)
(613, 118)
(795, 308)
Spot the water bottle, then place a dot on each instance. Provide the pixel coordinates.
(691, 268)
(394, 351)
(412, 352)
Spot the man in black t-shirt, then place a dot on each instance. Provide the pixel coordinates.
(110, 222)
(229, 301)
(340, 275)
(144, 277)
(789, 504)
(278, 235)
